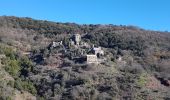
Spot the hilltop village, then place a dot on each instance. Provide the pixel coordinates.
(83, 51)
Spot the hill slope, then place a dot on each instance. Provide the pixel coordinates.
(135, 63)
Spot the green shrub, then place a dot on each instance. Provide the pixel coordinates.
(10, 83)
(17, 84)
(29, 86)
(12, 67)
(9, 52)
(26, 66)
(142, 79)
(25, 85)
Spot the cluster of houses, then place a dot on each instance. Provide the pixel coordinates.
(92, 57)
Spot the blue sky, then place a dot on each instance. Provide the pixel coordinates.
(147, 14)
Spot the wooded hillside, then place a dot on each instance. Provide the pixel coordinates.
(136, 62)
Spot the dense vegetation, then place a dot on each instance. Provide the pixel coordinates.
(51, 73)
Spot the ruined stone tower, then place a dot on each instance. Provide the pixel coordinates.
(77, 39)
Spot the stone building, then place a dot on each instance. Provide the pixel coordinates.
(92, 59)
(84, 45)
(77, 39)
(71, 42)
(98, 51)
(55, 44)
(95, 56)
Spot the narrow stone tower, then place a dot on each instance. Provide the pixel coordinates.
(77, 39)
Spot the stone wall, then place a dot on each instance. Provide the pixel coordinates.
(92, 59)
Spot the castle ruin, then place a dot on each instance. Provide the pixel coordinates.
(92, 59)
(98, 51)
(77, 39)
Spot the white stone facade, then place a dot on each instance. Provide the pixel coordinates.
(55, 44)
(92, 59)
(77, 39)
(98, 51)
